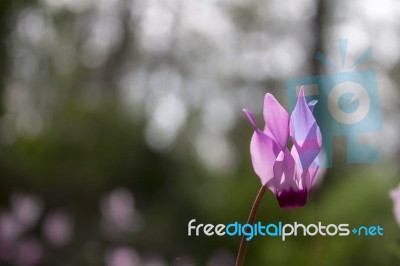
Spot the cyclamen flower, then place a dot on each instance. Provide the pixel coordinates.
(288, 174)
(395, 195)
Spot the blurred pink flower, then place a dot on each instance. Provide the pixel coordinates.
(10, 228)
(395, 195)
(118, 210)
(123, 256)
(183, 261)
(221, 257)
(24, 213)
(6, 249)
(29, 251)
(154, 260)
(26, 209)
(58, 228)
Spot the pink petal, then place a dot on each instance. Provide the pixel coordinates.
(262, 155)
(251, 118)
(295, 155)
(321, 171)
(276, 120)
(284, 172)
(262, 150)
(311, 174)
(304, 131)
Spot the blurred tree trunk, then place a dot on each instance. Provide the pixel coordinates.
(320, 22)
(117, 60)
(5, 27)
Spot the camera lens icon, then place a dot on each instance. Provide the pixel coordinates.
(348, 103)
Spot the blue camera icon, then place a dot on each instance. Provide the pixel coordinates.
(348, 105)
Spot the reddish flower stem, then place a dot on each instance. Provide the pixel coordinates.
(252, 216)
